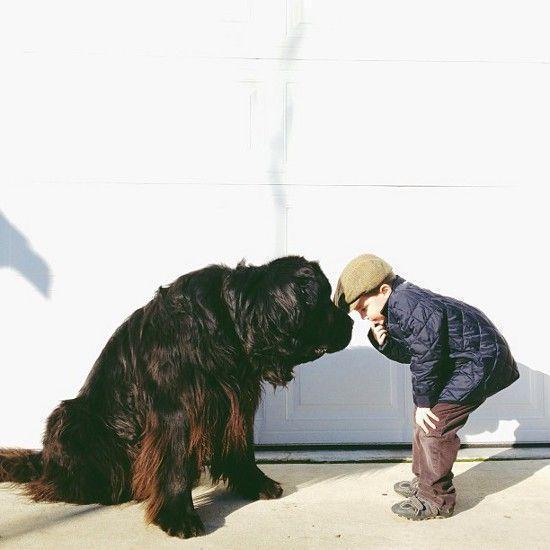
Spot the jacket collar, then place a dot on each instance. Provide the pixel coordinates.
(396, 283)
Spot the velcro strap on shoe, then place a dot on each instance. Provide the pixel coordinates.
(417, 504)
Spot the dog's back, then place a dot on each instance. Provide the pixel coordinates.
(91, 442)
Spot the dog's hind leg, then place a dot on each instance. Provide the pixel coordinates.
(164, 475)
(83, 461)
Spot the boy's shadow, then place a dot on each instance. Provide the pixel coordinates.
(492, 476)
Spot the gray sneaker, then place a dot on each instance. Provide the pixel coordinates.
(419, 509)
(406, 488)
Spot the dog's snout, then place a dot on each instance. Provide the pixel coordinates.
(342, 333)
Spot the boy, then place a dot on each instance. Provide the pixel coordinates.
(457, 359)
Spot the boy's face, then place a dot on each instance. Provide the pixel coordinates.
(371, 306)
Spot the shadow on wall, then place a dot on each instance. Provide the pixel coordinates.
(17, 253)
(278, 146)
(361, 376)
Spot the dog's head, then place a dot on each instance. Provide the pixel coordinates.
(284, 315)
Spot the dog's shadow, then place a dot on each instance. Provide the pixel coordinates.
(37, 520)
(214, 503)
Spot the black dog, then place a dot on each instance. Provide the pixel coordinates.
(176, 388)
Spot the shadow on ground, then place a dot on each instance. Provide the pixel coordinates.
(213, 503)
(486, 478)
(37, 520)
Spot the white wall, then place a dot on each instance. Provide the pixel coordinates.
(139, 140)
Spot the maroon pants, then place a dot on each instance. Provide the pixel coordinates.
(434, 453)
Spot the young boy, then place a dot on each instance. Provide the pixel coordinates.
(457, 359)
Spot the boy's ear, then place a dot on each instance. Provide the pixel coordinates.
(385, 288)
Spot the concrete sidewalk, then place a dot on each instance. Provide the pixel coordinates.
(501, 505)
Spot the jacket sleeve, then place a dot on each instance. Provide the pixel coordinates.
(426, 340)
(390, 348)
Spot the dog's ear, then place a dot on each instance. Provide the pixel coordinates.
(161, 292)
(307, 284)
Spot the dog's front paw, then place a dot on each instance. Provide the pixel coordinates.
(186, 526)
(261, 487)
(270, 489)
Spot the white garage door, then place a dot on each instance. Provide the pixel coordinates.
(142, 140)
(479, 245)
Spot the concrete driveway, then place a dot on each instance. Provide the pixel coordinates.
(501, 505)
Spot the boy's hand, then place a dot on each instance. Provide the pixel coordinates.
(422, 417)
(379, 331)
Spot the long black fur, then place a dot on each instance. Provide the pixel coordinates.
(176, 388)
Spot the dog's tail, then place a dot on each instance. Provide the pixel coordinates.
(20, 465)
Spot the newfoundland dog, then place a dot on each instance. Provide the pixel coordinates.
(176, 387)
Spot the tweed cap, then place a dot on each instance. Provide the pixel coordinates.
(361, 275)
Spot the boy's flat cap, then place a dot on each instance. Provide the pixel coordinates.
(361, 275)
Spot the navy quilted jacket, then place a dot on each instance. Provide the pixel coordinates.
(456, 354)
